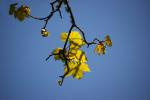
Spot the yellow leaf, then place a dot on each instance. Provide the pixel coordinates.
(100, 49)
(27, 11)
(74, 38)
(108, 41)
(64, 36)
(78, 75)
(84, 67)
(76, 69)
(77, 55)
(57, 51)
(74, 46)
(22, 12)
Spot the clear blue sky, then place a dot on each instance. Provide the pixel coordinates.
(122, 74)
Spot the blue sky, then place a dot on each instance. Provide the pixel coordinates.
(122, 74)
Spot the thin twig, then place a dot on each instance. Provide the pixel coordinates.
(53, 10)
(51, 55)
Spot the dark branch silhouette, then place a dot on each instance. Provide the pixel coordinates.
(56, 7)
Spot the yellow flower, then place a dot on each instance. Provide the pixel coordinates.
(100, 49)
(75, 39)
(108, 41)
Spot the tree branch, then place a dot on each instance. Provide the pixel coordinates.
(54, 9)
(69, 11)
(73, 25)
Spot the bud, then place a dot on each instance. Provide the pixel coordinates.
(59, 82)
(44, 32)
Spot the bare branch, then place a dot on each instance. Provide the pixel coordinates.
(53, 10)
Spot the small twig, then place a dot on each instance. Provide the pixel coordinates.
(37, 17)
(53, 10)
(83, 34)
(51, 55)
(68, 8)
